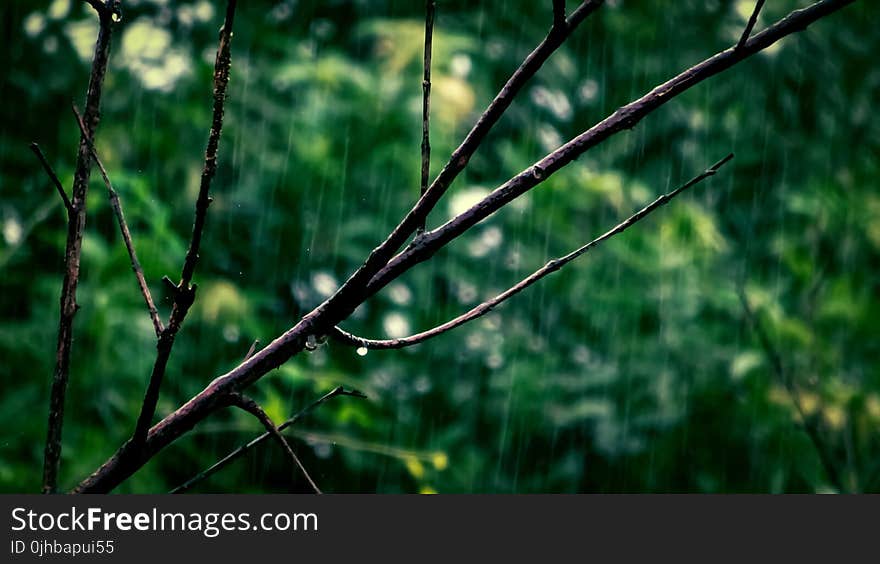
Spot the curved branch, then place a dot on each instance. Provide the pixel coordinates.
(552, 266)
(345, 299)
(626, 117)
(121, 465)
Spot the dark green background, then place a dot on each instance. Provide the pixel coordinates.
(631, 370)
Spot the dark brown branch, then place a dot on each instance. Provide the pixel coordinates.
(321, 320)
(98, 5)
(184, 294)
(810, 425)
(53, 177)
(245, 448)
(76, 222)
(750, 24)
(343, 302)
(430, 5)
(558, 13)
(252, 407)
(552, 266)
(116, 205)
(624, 118)
(222, 65)
(110, 9)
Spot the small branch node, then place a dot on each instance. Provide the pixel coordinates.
(747, 32)
(249, 405)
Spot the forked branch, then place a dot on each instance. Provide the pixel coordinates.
(381, 266)
(252, 407)
(245, 448)
(76, 222)
(552, 266)
(348, 296)
(184, 293)
(558, 13)
(750, 24)
(624, 118)
(116, 205)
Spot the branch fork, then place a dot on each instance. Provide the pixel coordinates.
(384, 263)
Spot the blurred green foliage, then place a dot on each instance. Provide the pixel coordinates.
(633, 369)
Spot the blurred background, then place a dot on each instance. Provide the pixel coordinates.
(635, 369)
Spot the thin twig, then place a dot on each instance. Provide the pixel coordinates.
(251, 350)
(184, 294)
(430, 6)
(53, 177)
(750, 24)
(552, 266)
(809, 423)
(76, 222)
(252, 407)
(116, 205)
(336, 309)
(243, 449)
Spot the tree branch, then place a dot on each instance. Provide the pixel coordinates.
(123, 228)
(337, 308)
(184, 293)
(558, 13)
(76, 221)
(552, 266)
(99, 6)
(809, 422)
(245, 448)
(53, 177)
(430, 5)
(624, 118)
(750, 24)
(347, 297)
(252, 407)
